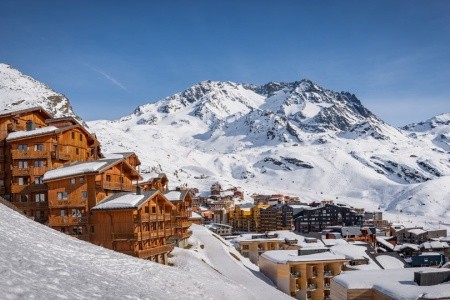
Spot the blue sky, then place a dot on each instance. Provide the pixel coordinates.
(108, 57)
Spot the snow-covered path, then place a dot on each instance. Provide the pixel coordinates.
(223, 262)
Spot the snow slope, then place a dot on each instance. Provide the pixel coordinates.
(37, 262)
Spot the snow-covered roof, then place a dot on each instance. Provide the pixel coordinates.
(417, 231)
(434, 245)
(23, 110)
(195, 215)
(175, 195)
(282, 235)
(75, 169)
(389, 262)
(284, 256)
(125, 201)
(401, 247)
(394, 283)
(385, 243)
(356, 252)
(29, 133)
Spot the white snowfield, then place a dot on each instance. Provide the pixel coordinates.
(37, 262)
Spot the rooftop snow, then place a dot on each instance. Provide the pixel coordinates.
(122, 202)
(394, 283)
(284, 256)
(173, 195)
(76, 169)
(28, 133)
(417, 231)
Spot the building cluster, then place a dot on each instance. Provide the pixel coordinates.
(53, 170)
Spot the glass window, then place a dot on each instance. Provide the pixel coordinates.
(22, 147)
(23, 198)
(81, 179)
(108, 177)
(62, 195)
(22, 180)
(38, 163)
(39, 197)
(38, 147)
(73, 135)
(38, 180)
(73, 180)
(23, 164)
(84, 194)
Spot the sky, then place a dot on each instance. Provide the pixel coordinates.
(108, 57)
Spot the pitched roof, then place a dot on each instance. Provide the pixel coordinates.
(10, 112)
(124, 200)
(36, 132)
(175, 195)
(82, 168)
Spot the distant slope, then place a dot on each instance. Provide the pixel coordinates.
(37, 262)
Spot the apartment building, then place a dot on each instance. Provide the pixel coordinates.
(182, 201)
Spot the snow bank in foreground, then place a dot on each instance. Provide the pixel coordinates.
(40, 263)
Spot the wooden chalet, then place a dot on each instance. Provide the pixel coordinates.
(74, 189)
(137, 224)
(32, 152)
(154, 181)
(182, 200)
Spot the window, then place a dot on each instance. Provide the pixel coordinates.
(73, 135)
(76, 213)
(40, 214)
(22, 180)
(84, 194)
(153, 209)
(22, 147)
(23, 164)
(39, 197)
(77, 230)
(23, 198)
(38, 180)
(38, 147)
(81, 179)
(73, 180)
(108, 177)
(61, 195)
(92, 229)
(62, 212)
(38, 163)
(146, 210)
(81, 137)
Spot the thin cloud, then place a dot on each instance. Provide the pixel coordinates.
(107, 76)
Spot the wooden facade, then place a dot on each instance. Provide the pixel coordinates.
(140, 229)
(158, 182)
(73, 193)
(182, 201)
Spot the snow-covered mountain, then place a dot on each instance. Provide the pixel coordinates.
(19, 91)
(296, 138)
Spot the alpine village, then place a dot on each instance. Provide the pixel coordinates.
(53, 171)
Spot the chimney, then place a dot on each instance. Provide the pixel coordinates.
(30, 125)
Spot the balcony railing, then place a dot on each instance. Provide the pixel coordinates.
(328, 274)
(32, 188)
(16, 154)
(296, 274)
(67, 203)
(60, 155)
(67, 220)
(326, 287)
(311, 287)
(148, 218)
(184, 224)
(117, 186)
(16, 171)
(154, 251)
(31, 205)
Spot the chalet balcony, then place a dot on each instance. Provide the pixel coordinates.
(27, 189)
(14, 127)
(31, 205)
(29, 154)
(16, 171)
(326, 287)
(311, 287)
(296, 274)
(328, 274)
(67, 221)
(116, 186)
(60, 155)
(154, 251)
(148, 218)
(67, 203)
(185, 224)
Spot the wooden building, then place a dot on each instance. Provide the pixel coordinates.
(32, 152)
(74, 189)
(154, 181)
(137, 224)
(182, 200)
